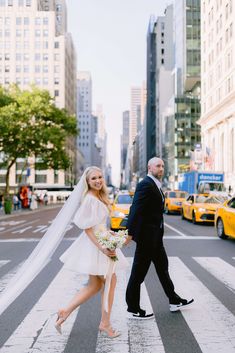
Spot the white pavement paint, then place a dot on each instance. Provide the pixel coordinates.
(136, 336)
(36, 333)
(220, 269)
(19, 225)
(4, 262)
(190, 237)
(212, 324)
(175, 230)
(6, 279)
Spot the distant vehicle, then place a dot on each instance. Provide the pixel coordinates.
(200, 208)
(202, 182)
(173, 201)
(55, 193)
(120, 210)
(225, 219)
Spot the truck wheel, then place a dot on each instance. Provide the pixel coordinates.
(220, 229)
(194, 218)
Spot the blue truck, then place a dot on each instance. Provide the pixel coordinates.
(201, 182)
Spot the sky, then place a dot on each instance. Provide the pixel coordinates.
(110, 41)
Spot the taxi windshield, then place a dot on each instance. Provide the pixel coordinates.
(124, 199)
(210, 199)
(177, 194)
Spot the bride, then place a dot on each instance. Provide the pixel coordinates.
(87, 256)
(88, 207)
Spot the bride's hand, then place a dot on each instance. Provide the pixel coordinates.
(108, 252)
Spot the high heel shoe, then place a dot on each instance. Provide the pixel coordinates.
(61, 317)
(108, 331)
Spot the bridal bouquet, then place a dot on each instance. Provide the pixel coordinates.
(111, 240)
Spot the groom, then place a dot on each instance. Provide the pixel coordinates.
(146, 228)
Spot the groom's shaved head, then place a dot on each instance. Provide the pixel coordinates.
(156, 167)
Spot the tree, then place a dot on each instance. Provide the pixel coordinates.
(31, 125)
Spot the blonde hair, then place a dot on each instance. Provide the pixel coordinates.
(103, 193)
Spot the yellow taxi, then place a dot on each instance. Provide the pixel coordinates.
(173, 201)
(201, 207)
(225, 219)
(120, 210)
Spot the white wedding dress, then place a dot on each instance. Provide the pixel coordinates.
(83, 256)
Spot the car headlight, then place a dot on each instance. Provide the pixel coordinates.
(202, 209)
(119, 214)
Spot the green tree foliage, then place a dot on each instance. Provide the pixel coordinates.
(31, 125)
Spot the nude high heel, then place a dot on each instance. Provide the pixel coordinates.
(108, 331)
(61, 317)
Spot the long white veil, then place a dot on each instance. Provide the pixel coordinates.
(41, 255)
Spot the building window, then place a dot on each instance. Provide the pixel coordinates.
(45, 81)
(28, 3)
(45, 21)
(18, 21)
(56, 81)
(18, 57)
(37, 45)
(26, 21)
(37, 57)
(45, 33)
(37, 21)
(45, 68)
(37, 68)
(37, 33)
(45, 45)
(45, 57)
(10, 2)
(26, 57)
(26, 33)
(26, 68)
(56, 69)
(56, 93)
(26, 80)
(37, 81)
(20, 3)
(40, 178)
(18, 68)
(57, 45)
(7, 56)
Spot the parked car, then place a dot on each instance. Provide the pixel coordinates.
(173, 201)
(225, 219)
(201, 208)
(120, 210)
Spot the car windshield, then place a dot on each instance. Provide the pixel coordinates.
(210, 199)
(177, 194)
(124, 199)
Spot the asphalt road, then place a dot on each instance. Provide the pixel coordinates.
(201, 266)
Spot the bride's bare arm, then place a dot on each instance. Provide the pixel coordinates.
(90, 233)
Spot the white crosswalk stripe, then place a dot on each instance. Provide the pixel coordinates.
(27, 337)
(135, 336)
(220, 269)
(210, 322)
(6, 279)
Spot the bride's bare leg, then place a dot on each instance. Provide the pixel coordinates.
(94, 285)
(105, 317)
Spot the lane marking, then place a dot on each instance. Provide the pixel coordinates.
(36, 332)
(136, 335)
(210, 321)
(192, 237)
(174, 229)
(4, 262)
(17, 227)
(220, 269)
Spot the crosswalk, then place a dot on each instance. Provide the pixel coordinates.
(209, 320)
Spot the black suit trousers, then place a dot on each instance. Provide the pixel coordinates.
(141, 263)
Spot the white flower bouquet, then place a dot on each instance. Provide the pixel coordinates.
(112, 240)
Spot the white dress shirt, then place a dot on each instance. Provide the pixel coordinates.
(158, 183)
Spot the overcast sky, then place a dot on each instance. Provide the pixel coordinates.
(110, 40)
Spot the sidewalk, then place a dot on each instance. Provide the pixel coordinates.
(26, 211)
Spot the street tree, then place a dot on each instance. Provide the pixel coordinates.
(32, 126)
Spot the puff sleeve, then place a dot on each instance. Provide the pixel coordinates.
(90, 213)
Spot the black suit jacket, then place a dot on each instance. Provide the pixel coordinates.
(145, 220)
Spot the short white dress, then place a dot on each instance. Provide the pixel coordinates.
(83, 256)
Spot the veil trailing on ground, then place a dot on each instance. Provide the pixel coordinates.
(41, 255)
